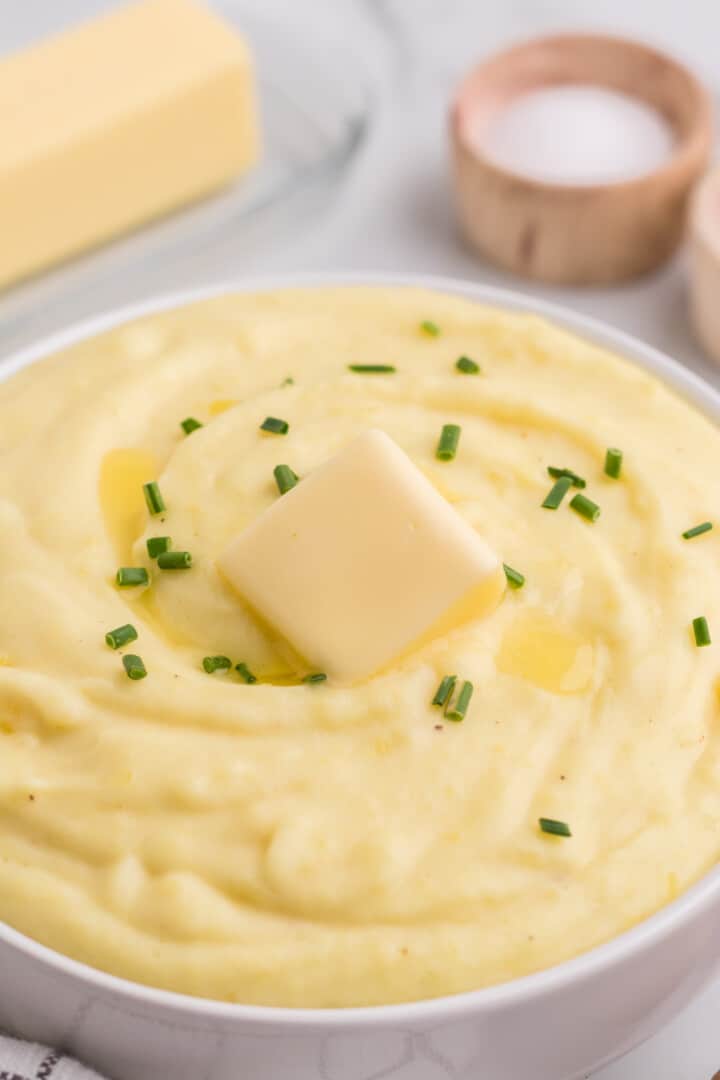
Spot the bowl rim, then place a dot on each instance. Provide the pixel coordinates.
(642, 936)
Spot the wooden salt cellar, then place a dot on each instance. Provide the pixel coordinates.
(579, 234)
(705, 263)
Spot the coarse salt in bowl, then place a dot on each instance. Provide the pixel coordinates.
(574, 156)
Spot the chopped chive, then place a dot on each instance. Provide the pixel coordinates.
(245, 673)
(577, 481)
(134, 666)
(285, 478)
(316, 677)
(554, 827)
(289, 381)
(430, 328)
(456, 712)
(122, 635)
(275, 426)
(467, 366)
(697, 530)
(372, 369)
(701, 630)
(190, 424)
(585, 507)
(175, 560)
(613, 462)
(449, 439)
(444, 691)
(216, 663)
(515, 579)
(132, 575)
(156, 545)
(557, 493)
(153, 498)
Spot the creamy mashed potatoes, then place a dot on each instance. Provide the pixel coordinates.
(319, 846)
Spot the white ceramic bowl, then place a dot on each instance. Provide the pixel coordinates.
(555, 1025)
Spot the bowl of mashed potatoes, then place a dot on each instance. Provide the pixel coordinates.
(215, 859)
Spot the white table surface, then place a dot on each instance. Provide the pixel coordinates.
(394, 212)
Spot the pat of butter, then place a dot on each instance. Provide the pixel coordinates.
(362, 561)
(123, 118)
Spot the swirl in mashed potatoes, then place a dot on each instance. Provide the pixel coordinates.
(310, 846)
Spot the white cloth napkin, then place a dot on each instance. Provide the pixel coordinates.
(28, 1061)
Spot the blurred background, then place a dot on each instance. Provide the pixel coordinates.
(356, 177)
(356, 173)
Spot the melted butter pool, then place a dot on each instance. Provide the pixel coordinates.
(122, 475)
(215, 408)
(547, 654)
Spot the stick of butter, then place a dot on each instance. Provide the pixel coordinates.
(119, 120)
(362, 561)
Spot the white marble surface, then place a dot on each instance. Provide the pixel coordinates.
(394, 212)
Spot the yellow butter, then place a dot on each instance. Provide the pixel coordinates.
(362, 559)
(114, 122)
